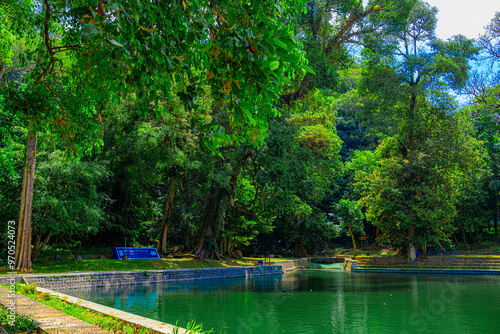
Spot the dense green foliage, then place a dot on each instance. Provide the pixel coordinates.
(269, 127)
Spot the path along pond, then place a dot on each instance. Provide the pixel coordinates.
(317, 301)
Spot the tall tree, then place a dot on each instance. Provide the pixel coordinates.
(350, 217)
(299, 166)
(485, 112)
(85, 51)
(70, 201)
(414, 203)
(407, 67)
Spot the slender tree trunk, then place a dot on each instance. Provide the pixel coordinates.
(411, 122)
(45, 242)
(166, 216)
(36, 247)
(441, 246)
(462, 229)
(353, 241)
(495, 221)
(23, 242)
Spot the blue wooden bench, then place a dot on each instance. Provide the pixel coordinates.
(133, 253)
(450, 251)
(438, 251)
(431, 251)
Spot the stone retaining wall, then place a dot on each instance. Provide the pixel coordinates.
(427, 271)
(102, 279)
(438, 261)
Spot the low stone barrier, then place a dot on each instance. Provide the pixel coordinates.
(101, 279)
(349, 265)
(287, 265)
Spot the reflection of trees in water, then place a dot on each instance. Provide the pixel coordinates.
(333, 280)
(267, 283)
(316, 280)
(316, 301)
(290, 282)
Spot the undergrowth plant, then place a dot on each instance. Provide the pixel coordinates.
(22, 324)
(194, 328)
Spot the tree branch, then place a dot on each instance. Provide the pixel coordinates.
(249, 213)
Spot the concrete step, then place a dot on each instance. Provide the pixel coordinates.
(439, 261)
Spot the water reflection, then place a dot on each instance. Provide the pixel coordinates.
(318, 301)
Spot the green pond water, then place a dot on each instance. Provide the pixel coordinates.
(318, 301)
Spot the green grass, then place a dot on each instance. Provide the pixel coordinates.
(21, 323)
(68, 265)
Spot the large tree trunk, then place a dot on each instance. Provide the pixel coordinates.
(211, 212)
(23, 242)
(412, 253)
(215, 198)
(166, 216)
(300, 250)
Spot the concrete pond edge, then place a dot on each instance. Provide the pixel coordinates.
(66, 281)
(48, 283)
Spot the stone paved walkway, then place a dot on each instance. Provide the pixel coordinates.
(50, 320)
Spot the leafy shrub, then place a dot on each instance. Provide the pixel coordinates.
(27, 289)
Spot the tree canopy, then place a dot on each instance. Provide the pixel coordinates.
(264, 126)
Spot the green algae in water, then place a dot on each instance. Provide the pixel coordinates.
(318, 301)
